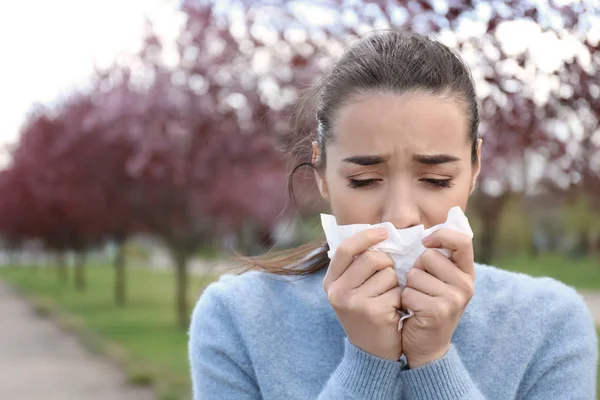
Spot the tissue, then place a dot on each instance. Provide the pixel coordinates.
(402, 245)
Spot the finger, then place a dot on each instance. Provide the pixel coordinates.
(437, 265)
(392, 299)
(416, 301)
(348, 249)
(379, 283)
(426, 283)
(363, 268)
(460, 244)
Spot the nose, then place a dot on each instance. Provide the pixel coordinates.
(400, 208)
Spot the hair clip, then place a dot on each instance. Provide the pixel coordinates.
(315, 153)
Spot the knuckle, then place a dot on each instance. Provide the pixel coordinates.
(469, 288)
(442, 311)
(391, 272)
(343, 250)
(455, 300)
(369, 257)
(352, 304)
(412, 274)
(336, 297)
(465, 240)
(429, 255)
(377, 259)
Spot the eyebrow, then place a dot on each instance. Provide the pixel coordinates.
(434, 159)
(365, 160)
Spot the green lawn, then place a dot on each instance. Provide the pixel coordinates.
(142, 336)
(582, 273)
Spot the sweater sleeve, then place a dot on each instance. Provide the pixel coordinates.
(443, 379)
(221, 367)
(565, 364)
(361, 375)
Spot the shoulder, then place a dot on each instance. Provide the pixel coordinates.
(538, 298)
(253, 295)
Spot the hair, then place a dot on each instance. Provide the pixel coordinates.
(387, 61)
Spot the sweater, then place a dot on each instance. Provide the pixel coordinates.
(261, 336)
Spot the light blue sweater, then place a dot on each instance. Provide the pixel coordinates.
(261, 336)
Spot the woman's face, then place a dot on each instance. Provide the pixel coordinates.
(405, 159)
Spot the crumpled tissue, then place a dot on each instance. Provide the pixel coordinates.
(402, 245)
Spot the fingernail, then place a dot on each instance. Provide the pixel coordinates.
(382, 232)
(426, 240)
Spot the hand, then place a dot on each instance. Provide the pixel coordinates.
(363, 289)
(438, 290)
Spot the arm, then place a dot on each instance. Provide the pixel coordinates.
(565, 365)
(221, 367)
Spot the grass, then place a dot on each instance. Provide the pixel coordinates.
(581, 273)
(142, 337)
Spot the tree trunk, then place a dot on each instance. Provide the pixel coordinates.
(80, 272)
(489, 209)
(120, 276)
(487, 239)
(61, 267)
(181, 261)
(583, 242)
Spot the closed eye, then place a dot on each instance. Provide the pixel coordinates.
(439, 183)
(360, 183)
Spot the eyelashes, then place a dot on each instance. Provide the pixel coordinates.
(359, 183)
(440, 183)
(434, 183)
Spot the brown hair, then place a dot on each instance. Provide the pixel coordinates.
(386, 61)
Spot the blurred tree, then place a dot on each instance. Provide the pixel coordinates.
(186, 150)
(42, 206)
(203, 163)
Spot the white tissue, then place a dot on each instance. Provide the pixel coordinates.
(402, 245)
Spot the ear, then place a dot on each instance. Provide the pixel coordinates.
(322, 184)
(476, 166)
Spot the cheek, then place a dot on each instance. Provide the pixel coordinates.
(352, 206)
(435, 204)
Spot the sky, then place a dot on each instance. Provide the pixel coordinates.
(49, 47)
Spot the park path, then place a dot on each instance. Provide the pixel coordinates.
(592, 299)
(40, 361)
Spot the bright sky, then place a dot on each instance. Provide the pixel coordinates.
(47, 47)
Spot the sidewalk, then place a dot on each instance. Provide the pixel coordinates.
(39, 361)
(592, 299)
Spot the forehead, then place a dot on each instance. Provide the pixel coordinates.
(409, 123)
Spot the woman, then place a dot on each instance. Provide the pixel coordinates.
(396, 141)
